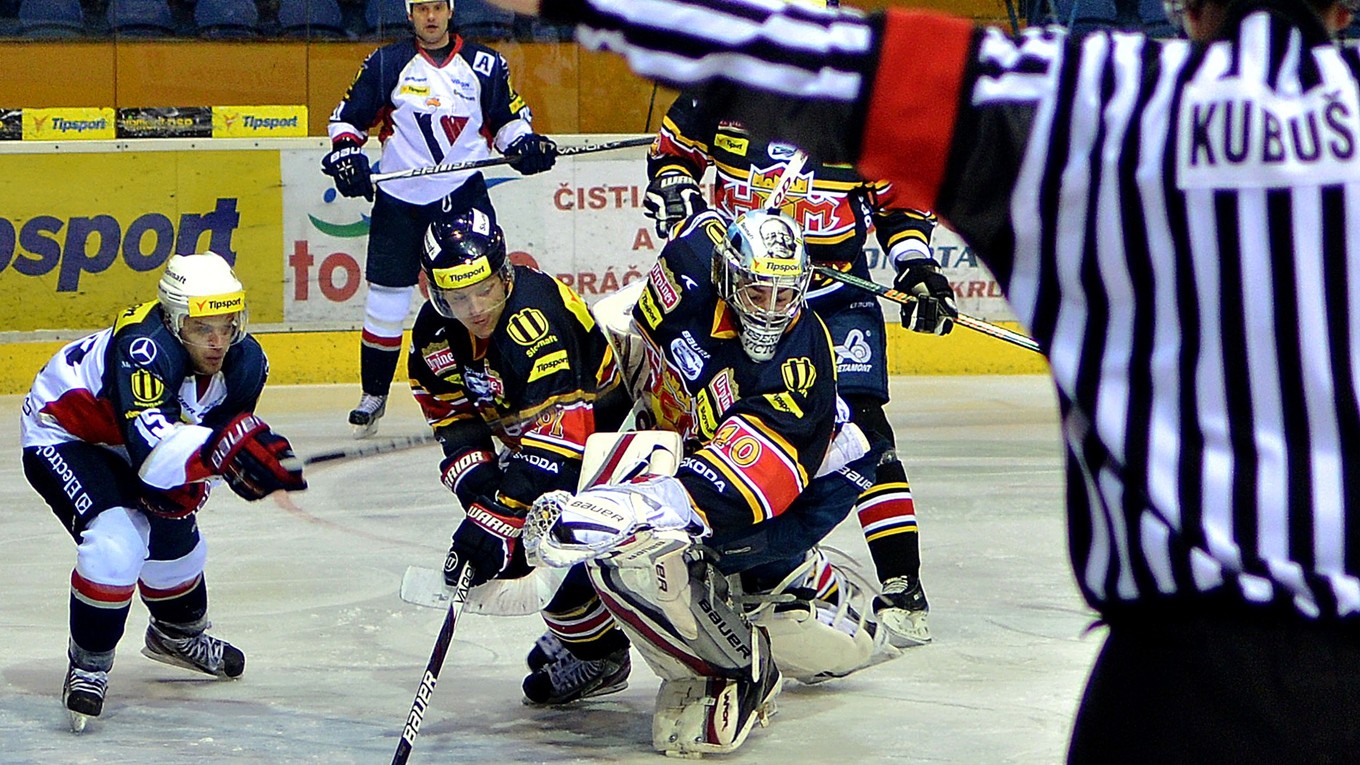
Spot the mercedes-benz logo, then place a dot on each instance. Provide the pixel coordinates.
(143, 351)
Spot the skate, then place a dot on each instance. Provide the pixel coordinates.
(83, 695)
(901, 610)
(198, 651)
(364, 417)
(571, 679)
(548, 649)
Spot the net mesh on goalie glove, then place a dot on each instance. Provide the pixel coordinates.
(671, 199)
(933, 310)
(255, 461)
(600, 522)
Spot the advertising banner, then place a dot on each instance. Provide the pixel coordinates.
(259, 121)
(582, 222)
(68, 124)
(84, 235)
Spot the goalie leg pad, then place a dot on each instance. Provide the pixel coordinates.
(713, 715)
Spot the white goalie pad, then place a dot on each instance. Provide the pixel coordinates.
(526, 595)
(620, 457)
(849, 445)
(617, 521)
(614, 313)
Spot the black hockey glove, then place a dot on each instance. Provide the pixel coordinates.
(933, 310)
(255, 460)
(486, 539)
(348, 165)
(532, 153)
(179, 502)
(672, 199)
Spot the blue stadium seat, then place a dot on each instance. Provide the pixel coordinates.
(227, 19)
(386, 18)
(51, 18)
(311, 18)
(1155, 22)
(481, 20)
(1082, 16)
(150, 18)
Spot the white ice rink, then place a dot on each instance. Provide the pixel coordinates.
(334, 656)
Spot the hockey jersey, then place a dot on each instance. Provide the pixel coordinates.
(131, 388)
(544, 381)
(755, 432)
(429, 112)
(831, 203)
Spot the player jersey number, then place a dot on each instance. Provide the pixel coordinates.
(451, 126)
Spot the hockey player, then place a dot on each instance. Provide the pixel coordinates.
(123, 433)
(507, 352)
(834, 206)
(746, 374)
(436, 99)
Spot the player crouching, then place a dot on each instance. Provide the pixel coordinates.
(123, 433)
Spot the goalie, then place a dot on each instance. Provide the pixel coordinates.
(746, 374)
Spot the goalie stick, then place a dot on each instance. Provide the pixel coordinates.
(453, 167)
(963, 319)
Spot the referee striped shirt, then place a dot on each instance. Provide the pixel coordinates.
(1178, 225)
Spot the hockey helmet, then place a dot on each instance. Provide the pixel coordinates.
(461, 253)
(761, 269)
(202, 284)
(411, 4)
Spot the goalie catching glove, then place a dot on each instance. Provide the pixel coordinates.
(486, 539)
(255, 460)
(671, 199)
(933, 310)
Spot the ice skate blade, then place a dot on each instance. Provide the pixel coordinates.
(78, 721)
(176, 662)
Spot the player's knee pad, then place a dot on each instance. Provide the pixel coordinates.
(113, 548)
(170, 574)
(820, 622)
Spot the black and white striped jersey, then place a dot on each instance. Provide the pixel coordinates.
(1177, 224)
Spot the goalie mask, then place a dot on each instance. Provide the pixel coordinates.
(201, 285)
(468, 270)
(761, 270)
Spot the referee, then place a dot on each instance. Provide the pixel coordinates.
(1178, 223)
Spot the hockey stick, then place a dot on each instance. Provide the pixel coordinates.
(779, 194)
(963, 319)
(368, 450)
(453, 167)
(463, 575)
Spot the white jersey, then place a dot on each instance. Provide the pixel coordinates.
(430, 112)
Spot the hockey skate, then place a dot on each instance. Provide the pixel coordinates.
(548, 649)
(198, 651)
(83, 695)
(364, 417)
(901, 610)
(713, 715)
(567, 678)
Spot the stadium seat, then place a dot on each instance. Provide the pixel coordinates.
(311, 18)
(480, 20)
(386, 18)
(1153, 16)
(227, 19)
(150, 18)
(1082, 16)
(51, 18)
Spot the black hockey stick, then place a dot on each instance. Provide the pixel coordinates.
(963, 319)
(462, 574)
(453, 167)
(368, 450)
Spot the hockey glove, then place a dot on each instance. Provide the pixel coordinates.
(487, 539)
(255, 460)
(348, 165)
(532, 153)
(933, 309)
(179, 502)
(672, 199)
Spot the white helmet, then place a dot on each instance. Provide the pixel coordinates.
(411, 4)
(761, 269)
(201, 285)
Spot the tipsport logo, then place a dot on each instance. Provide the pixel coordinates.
(358, 228)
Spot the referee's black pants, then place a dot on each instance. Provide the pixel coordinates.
(1221, 689)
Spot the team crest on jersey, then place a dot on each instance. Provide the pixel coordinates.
(663, 282)
(143, 351)
(527, 326)
(799, 374)
(484, 385)
(438, 358)
(147, 389)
